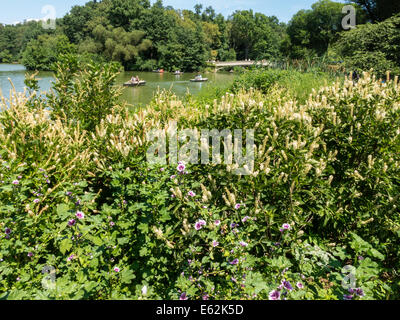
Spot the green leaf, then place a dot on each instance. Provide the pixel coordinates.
(65, 245)
(127, 276)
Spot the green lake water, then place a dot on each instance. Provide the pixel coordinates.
(180, 85)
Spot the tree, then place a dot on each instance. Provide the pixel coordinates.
(255, 36)
(43, 52)
(313, 31)
(378, 10)
(116, 44)
(375, 46)
(124, 13)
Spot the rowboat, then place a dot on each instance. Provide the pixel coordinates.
(134, 83)
(199, 80)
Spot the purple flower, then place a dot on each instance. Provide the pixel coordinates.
(287, 285)
(243, 244)
(274, 295)
(116, 269)
(7, 231)
(205, 297)
(217, 222)
(204, 207)
(191, 194)
(71, 222)
(286, 226)
(236, 261)
(237, 206)
(30, 254)
(299, 285)
(36, 201)
(69, 193)
(162, 169)
(245, 219)
(183, 296)
(172, 177)
(215, 243)
(80, 215)
(16, 182)
(19, 177)
(181, 167)
(347, 297)
(199, 224)
(112, 223)
(360, 292)
(71, 257)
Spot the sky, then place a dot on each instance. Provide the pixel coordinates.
(17, 10)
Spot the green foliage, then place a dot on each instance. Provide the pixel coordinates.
(297, 84)
(116, 44)
(316, 218)
(313, 31)
(255, 36)
(42, 53)
(84, 93)
(5, 56)
(378, 10)
(372, 46)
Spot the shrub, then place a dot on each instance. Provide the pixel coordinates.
(372, 46)
(323, 195)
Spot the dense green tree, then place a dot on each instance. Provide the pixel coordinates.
(116, 44)
(124, 13)
(255, 36)
(141, 35)
(313, 31)
(75, 23)
(379, 10)
(375, 46)
(43, 52)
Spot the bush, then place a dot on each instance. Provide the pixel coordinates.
(320, 206)
(372, 46)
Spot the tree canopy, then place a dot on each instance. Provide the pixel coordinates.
(141, 35)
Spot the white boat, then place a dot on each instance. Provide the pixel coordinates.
(199, 80)
(134, 83)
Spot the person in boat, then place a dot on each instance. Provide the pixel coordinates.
(199, 77)
(135, 79)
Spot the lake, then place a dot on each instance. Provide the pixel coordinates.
(180, 85)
